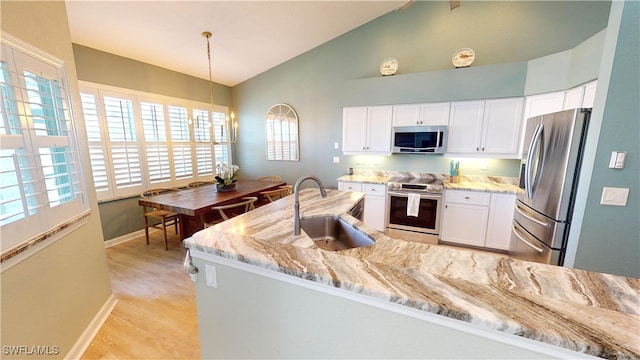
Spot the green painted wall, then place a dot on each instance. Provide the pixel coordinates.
(609, 240)
(52, 295)
(344, 72)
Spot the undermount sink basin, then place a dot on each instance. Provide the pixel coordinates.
(334, 234)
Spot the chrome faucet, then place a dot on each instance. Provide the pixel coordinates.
(296, 200)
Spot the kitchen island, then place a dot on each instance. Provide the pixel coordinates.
(263, 292)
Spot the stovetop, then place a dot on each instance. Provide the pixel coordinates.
(403, 184)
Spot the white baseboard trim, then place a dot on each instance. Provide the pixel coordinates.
(126, 237)
(92, 329)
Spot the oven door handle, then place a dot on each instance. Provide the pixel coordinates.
(422, 196)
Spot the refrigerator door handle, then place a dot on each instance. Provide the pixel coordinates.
(531, 185)
(521, 238)
(541, 223)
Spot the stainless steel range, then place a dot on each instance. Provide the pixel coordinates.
(413, 209)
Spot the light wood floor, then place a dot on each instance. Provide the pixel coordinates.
(155, 317)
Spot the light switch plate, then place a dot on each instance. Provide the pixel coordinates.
(614, 196)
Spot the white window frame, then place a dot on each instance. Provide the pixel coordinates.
(199, 150)
(48, 176)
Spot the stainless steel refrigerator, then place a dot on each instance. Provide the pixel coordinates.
(549, 171)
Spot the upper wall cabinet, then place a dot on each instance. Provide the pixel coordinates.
(487, 128)
(432, 114)
(580, 96)
(577, 97)
(543, 104)
(366, 130)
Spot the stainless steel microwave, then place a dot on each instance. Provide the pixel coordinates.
(419, 139)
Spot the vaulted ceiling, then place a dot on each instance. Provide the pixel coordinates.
(249, 37)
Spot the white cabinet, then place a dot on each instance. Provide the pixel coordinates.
(573, 98)
(543, 104)
(375, 201)
(349, 186)
(589, 94)
(477, 218)
(435, 114)
(366, 130)
(489, 127)
(580, 96)
(465, 127)
(431, 114)
(465, 215)
(500, 221)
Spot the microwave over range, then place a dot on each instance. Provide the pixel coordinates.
(419, 139)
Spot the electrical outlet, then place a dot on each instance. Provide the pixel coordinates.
(336, 159)
(614, 196)
(210, 274)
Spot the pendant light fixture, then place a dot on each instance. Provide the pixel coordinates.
(230, 124)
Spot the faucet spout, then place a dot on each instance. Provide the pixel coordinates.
(296, 200)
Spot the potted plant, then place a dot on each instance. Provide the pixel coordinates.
(226, 176)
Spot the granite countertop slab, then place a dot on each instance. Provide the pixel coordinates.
(370, 179)
(593, 313)
(495, 184)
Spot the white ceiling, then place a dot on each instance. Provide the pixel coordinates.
(249, 37)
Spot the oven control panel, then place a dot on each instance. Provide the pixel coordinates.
(414, 187)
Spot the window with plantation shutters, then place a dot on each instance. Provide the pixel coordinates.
(123, 144)
(180, 142)
(155, 142)
(140, 140)
(203, 146)
(96, 145)
(41, 185)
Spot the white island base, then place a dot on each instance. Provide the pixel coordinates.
(259, 313)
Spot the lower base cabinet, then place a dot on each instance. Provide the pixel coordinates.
(478, 219)
(375, 202)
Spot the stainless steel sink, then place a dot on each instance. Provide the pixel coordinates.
(334, 234)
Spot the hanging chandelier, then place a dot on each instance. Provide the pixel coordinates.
(230, 123)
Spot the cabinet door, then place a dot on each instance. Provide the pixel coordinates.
(374, 211)
(434, 114)
(501, 126)
(500, 220)
(573, 98)
(379, 129)
(354, 127)
(464, 224)
(589, 94)
(543, 104)
(465, 127)
(406, 115)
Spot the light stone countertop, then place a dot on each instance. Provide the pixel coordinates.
(496, 184)
(593, 313)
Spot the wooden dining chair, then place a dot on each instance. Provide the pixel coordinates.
(196, 184)
(153, 215)
(272, 178)
(246, 205)
(279, 193)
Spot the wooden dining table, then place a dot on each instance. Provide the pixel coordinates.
(194, 205)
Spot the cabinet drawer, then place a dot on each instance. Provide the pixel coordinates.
(468, 197)
(374, 189)
(350, 186)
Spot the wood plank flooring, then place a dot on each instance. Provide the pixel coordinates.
(156, 316)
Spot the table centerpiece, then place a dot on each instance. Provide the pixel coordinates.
(226, 177)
